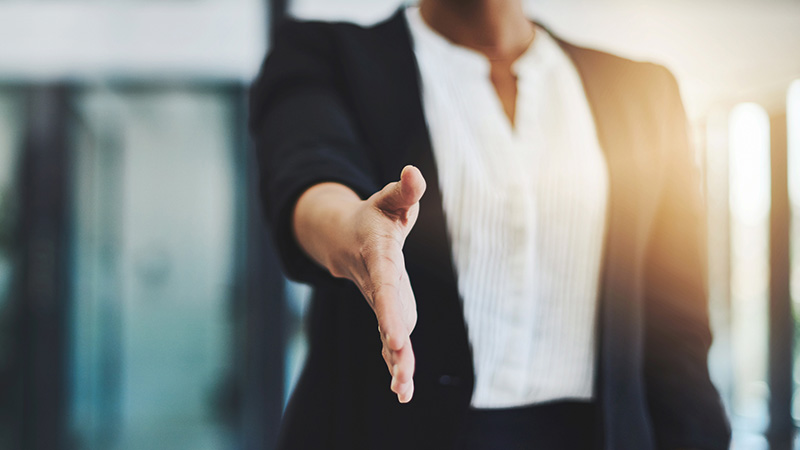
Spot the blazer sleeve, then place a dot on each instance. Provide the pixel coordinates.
(686, 409)
(304, 133)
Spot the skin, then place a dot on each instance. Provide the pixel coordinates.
(497, 28)
(363, 240)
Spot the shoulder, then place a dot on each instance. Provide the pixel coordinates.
(618, 71)
(303, 49)
(642, 89)
(313, 54)
(327, 37)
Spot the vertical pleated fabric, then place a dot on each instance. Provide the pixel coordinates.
(525, 209)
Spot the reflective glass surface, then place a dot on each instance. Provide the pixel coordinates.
(153, 268)
(12, 112)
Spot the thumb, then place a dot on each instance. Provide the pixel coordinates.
(398, 197)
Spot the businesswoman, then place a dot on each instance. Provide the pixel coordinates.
(504, 232)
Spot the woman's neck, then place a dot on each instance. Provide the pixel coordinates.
(496, 28)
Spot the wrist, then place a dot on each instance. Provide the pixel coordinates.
(343, 252)
(324, 226)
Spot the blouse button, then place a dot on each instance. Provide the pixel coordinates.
(448, 380)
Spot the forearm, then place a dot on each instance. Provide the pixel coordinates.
(322, 225)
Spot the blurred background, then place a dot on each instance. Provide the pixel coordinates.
(141, 306)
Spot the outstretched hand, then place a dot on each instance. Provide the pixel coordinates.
(366, 246)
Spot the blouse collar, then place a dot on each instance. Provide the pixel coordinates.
(461, 58)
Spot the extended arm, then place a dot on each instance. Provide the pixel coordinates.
(319, 190)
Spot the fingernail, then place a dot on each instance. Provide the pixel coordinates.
(408, 166)
(405, 397)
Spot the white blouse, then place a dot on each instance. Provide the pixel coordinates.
(525, 209)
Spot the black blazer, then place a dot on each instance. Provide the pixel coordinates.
(338, 102)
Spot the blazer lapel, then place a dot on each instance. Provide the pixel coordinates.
(634, 174)
(405, 140)
(402, 138)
